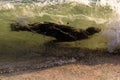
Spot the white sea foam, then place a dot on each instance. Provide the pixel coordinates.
(6, 6)
(112, 33)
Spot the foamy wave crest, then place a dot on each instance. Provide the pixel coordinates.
(6, 6)
(112, 33)
(114, 4)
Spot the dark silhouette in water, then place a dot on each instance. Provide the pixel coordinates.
(60, 32)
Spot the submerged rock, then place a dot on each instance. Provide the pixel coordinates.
(60, 32)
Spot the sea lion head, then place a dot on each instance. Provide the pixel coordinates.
(93, 30)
